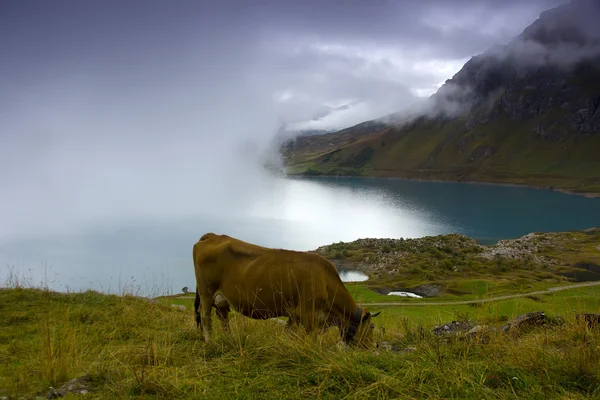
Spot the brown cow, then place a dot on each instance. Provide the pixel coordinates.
(263, 283)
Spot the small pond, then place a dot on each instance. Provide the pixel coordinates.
(405, 294)
(352, 276)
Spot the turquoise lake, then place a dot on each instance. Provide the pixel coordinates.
(152, 256)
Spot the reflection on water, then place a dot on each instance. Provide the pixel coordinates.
(352, 276)
(153, 253)
(405, 294)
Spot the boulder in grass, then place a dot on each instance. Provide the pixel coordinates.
(535, 318)
(480, 333)
(454, 327)
(80, 385)
(592, 320)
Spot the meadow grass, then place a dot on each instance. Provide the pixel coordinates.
(132, 348)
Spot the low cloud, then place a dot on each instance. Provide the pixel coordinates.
(125, 110)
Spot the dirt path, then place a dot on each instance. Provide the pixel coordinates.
(511, 296)
(464, 302)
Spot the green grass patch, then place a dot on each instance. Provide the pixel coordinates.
(131, 348)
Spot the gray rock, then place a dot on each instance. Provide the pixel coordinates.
(592, 320)
(79, 385)
(179, 307)
(387, 346)
(391, 347)
(279, 321)
(535, 318)
(480, 332)
(478, 329)
(427, 290)
(454, 327)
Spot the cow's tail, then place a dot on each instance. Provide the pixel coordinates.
(196, 307)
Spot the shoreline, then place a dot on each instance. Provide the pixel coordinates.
(591, 195)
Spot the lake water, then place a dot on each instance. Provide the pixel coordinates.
(152, 256)
(405, 294)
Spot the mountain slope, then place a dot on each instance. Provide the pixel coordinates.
(527, 113)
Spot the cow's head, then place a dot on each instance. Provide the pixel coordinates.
(364, 332)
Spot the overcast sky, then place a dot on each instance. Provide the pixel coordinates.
(134, 106)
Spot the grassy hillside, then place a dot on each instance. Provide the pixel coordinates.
(127, 348)
(458, 266)
(130, 347)
(499, 151)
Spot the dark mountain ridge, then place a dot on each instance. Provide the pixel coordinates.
(526, 112)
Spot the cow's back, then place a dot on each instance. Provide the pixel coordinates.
(258, 278)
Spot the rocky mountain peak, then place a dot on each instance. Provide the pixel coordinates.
(553, 64)
(575, 22)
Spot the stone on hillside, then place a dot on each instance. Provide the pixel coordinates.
(279, 321)
(592, 320)
(179, 307)
(391, 347)
(530, 319)
(77, 386)
(427, 290)
(478, 330)
(454, 327)
(481, 332)
(387, 346)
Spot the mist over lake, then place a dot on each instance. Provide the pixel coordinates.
(152, 254)
(122, 143)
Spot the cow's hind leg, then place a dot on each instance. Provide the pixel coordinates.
(206, 304)
(196, 308)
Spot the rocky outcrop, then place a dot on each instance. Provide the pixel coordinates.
(530, 319)
(549, 73)
(525, 247)
(472, 330)
(426, 290)
(553, 92)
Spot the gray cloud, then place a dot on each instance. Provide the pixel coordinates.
(148, 107)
